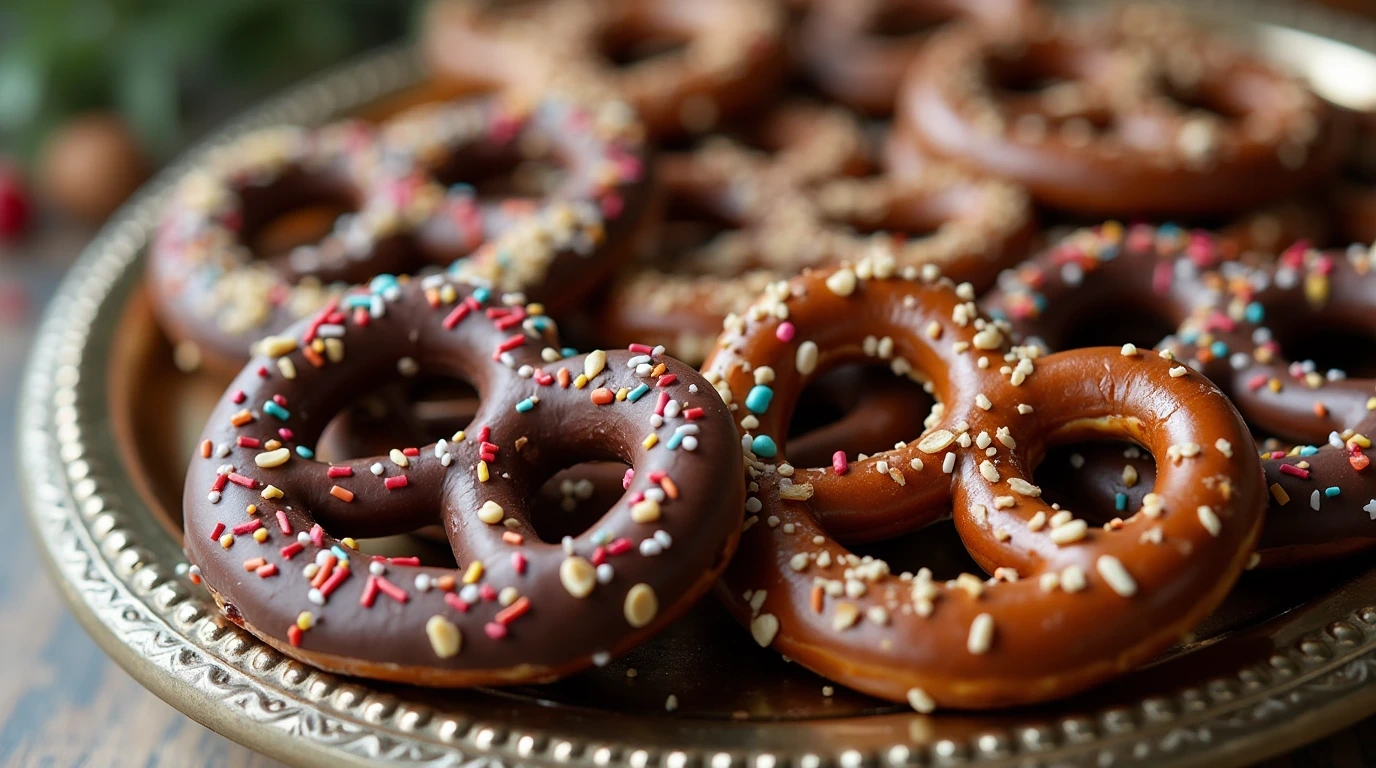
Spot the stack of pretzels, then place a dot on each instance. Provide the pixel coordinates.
(840, 270)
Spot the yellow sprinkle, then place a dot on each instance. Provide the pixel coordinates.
(448, 294)
(1316, 288)
(621, 393)
(1282, 498)
(645, 511)
(270, 459)
(1371, 404)
(276, 346)
(1273, 385)
(458, 437)
(535, 309)
(272, 445)
(349, 542)
(1360, 439)
(483, 474)
(650, 441)
(287, 367)
(305, 621)
(318, 345)
(474, 572)
(334, 350)
(580, 382)
(227, 540)
(251, 509)
(260, 535)
(271, 492)
(398, 458)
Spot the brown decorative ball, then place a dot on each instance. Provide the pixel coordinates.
(90, 165)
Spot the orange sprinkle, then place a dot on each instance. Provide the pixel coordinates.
(817, 595)
(445, 583)
(1274, 385)
(254, 564)
(1359, 461)
(564, 378)
(432, 297)
(602, 396)
(241, 418)
(1320, 409)
(658, 370)
(512, 537)
(324, 572)
(343, 494)
(313, 357)
(669, 486)
(1282, 498)
(205, 449)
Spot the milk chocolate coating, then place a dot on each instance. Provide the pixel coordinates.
(1062, 614)
(560, 633)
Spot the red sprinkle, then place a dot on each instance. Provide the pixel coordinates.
(220, 482)
(839, 463)
(1291, 469)
(692, 414)
(508, 345)
(599, 556)
(666, 380)
(391, 590)
(484, 434)
(456, 602)
(247, 528)
(518, 561)
(217, 531)
(619, 547)
(268, 570)
(294, 636)
(458, 314)
(239, 479)
(410, 451)
(283, 523)
(663, 401)
(393, 483)
(369, 595)
(487, 447)
(332, 583)
(248, 442)
(286, 434)
(340, 472)
(641, 349)
(404, 560)
(238, 397)
(488, 592)
(1256, 382)
(514, 611)
(494, 630)
(292, 550)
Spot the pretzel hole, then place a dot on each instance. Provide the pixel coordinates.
(575, 497)
(1047, 82)
(907, 20)
(1110, 321)
(408, 414)
(1330, 343)
(1097, 480)
(297, 210)
(530, 168)
(624, 47)
(855, 408)
(1224, 101)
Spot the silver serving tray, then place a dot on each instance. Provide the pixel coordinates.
(105, 425)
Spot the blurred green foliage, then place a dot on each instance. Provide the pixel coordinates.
(166, 65)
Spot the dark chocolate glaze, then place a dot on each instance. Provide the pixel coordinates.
(560, 633)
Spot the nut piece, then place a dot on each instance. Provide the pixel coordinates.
(578, 576)
(641, 605)
(445, 638)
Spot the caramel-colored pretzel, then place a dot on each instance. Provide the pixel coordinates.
(410, 206)
(731, 57)
(857, 50)
(1069, 606)
(258, 506)
(1146, 115)
(794, 213)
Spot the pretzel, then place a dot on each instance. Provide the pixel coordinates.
(1146, 115)
(1068, 607)
(410, 207)
(1168, 277)
(731, 54)
(857, 50)
(787, 213)
(258, 506)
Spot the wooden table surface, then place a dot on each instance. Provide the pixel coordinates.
(64, 704)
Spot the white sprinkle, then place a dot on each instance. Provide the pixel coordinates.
(948, 464)
(920, 701)
(981, 634)
(1115, 575)
(1210, 521)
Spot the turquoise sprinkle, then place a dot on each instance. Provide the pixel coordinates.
(674, 442)
(539, 322)
(481, 294)
(638, 392)
(759, 398)
(304, 452)
(1039, 301)
(382, 282)
(1108, 253)
(601, 537)
(1254, 313)
(1308, 450)
(1332, 491)
(568, 351)
(1189, 337)
(1219, 349)
(764, 446)
(460, 188)
(504, 258)
(340, 553)
(273, 409)
(357, 300)
(525, 405)
(1120, 501)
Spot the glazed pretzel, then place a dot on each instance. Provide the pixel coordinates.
(1180, 280)
(1148, 115)
(731, 59)
(258, 507)
(791, 211)
(1118, 596)
(409, 187)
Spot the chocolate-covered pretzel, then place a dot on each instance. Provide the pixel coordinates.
(1069, 605)
(411, 201)
(262, 516)
(1137, 113)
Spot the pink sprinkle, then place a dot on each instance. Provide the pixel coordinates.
(340, 472)
(838, 462)
(247, 528)
(456, 602)
(317, 535)
(641, 349)
(666, 380)
(1256, 382)
(285, 433)
(262, 371)
(518, 561)
(238, 397)
(292, 550)
(217, 531)
(283, 523)
(785, 332)
(636, 498)
(246, 482)
(1291, 469)
(663, 402)
(494, 630)
(488, 592)
(619, 547)
(627, 478)
(282, 401)
(394, 483)
(693, 414)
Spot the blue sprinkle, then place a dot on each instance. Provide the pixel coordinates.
(304, 452)
(1308, 450)
(568, 351)
(340, 553)
(1108, 253)
(1039, 301)
(1254, 313)
(1332, 491)
(759, 398)
(382, 282)
(539, 322)
(997, 314)
(481, 294)
(674, 442)
(1120, 501)
(273, 409)
(525, 405)
(601, 537)
(1219, 349)
(763, 445)
(357, 300)
(638, 392)
(1190, 336)
(1168, 230)
(460, 188)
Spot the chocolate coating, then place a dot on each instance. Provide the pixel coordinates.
(1069, 606)
(535, 427)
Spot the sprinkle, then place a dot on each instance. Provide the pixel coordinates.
(578, 576)
(602, 396)
(393, 483)
(473, 573)
(806, 358)
(641, 605)
(491, 512)
(1129, 350)
(1069, 533)
(639, 392)
(1278, 493)
(785, 332)
(1116, 576)
(241, 418)
(1291, 469)
(981, 634)
(763, 445)
(842, 282)
(759, 398)
(216, 531)
(918, 700)
(270, 459)
(838, 462)
(1178, 371)
(948, 463)
(666, 380)
(271, 492)
(594, 363)
(645, 511)
(247, 528)
(483, 474)
(287, 368)
(343, 494)
(445, 638)
(1210, 521)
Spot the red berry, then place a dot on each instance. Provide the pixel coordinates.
(14, 205)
